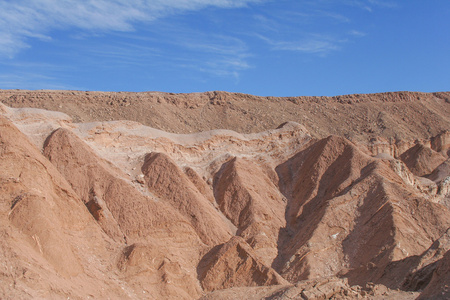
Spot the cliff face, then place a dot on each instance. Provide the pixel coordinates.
(121, 210)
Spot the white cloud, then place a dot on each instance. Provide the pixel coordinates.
(313, 27)
(389, 4)
(33, 81)
(220, 55)
(370, 5)
(9, 44)
(314, 43)
(173, 44)
(24, 19)
(357, 33)
(309, 46)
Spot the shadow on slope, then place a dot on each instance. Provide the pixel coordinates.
(350, 215)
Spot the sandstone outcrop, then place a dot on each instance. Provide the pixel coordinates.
(49, 239)
(167, 180)
(251, 200)
(127, 216)
(397, 115)
(349, 213)
(421, 160)
(439, 287)
(235, 264)
(340, 209)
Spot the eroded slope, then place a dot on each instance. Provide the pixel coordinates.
(272, 214)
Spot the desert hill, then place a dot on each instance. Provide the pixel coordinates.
(224, 196)
(399, 115)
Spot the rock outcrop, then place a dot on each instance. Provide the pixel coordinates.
(251, 200)
(398, 115)
(234, 264)
(422, 160)
(167, 180)
(350, 214)
(49, 238)
(354, 208)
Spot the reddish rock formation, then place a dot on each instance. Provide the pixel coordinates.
(200, 184)
(128, 216)
(350, 214)
(249, 198)
(235, 264)
(441, 143)
(421, 160)
(157, 272)
(121, 210)
(439, 286)
(48, 236)
(422, 268)
(105, 192)
(400, 115)
(167, 180)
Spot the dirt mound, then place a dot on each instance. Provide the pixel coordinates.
(441, 143)
(126, 215)
(251, 200)
(167, 180)
(439, 287)
(51, 246)
(421, 160)
(158, 273)
(31, 210)
(105, 192)
(235, 264)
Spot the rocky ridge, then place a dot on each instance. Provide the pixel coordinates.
(393, 116)
(120, 209)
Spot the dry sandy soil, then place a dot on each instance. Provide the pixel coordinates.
(224, 196)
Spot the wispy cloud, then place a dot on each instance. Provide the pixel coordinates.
(10, 44)
(314, 27)
(35, 75)
(144, 35)
(21, 20)
(221, 67)
(370, 5)
(357, 33)
(385, 3)
(114, 54)
(33, 81)
(314, 43)
(218, 54)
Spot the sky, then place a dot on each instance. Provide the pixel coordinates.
(259, 47)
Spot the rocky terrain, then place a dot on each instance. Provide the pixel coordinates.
(224, 196)
(402, 115)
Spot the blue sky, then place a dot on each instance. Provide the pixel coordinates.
(260, 47)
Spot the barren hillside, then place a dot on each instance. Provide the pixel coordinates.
(224, 196)
(399, 115)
